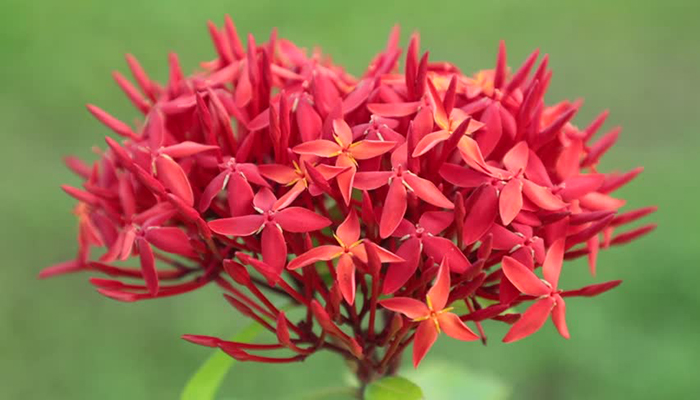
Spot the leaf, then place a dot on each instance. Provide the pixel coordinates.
(393, 388)
(449, 380)
(206, 381)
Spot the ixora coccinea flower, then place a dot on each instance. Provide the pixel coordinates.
(390, 207)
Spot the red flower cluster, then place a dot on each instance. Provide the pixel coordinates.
(391, 207)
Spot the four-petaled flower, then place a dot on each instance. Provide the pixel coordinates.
(272, 221)
(549, 301)
(432, 315)
(400, 181)
(347, 153)
(349, 248)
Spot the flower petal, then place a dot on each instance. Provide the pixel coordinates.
(510, 202)
(174, 179)
(541, 196)
(429, 141)
(148, 265)
(482, 214)
(211, 191)
(407, 306)
(308, 121)
(371, 180)
(435, 222)
(427, 191)
(399, 273)
(440, 290)
(516, 158)
(239, 195)
(531, 320)
(346, 179)
(455, 328)
(170, 239)
(394, 209)
(299, 219)
(346, 277)
(551, 269)
(320, 253)
(367, 149)
(525, 280)
(264, 199)
(342, 131)
(274, 248)
(394, 109)
(279, 173)
(559, 316)
(237, 226)
(440, 248)
(426, 335)
(321, 148)
(186, 149)
(349, 230)
(462, 176)
(471, 154)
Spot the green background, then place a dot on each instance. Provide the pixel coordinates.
(60, 340)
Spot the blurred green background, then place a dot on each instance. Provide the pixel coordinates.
(60, 340)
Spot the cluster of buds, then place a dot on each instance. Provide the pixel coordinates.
(390, 207)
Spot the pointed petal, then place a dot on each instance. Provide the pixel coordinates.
(407, 306)
(579, 186)
(394, 209)
(471, 154)
(321, 148)
(264, 199)
(429, 141)
(440, 248)
(427, 191)
(516, 158)
(240, 196)
(211, 191)
(274, 248)
(148, 266)
(349, 229)
(186, 149)
(299, 219)
(510, 202)
(174, 179)
(346, 179)
(426, 335)
(291, 195)
(367, 149)
(482, 214)
(455, 328)
(541, 196)
(371, 180)
(237, 226)
(320, 253)
(551, 269)
(171, 239)
(279, 173)
(308, 121)
(525, 280)
(435, 222)
(531, 321)
(440, 290)
(394, 109)
(559, 316)
(462, 176)
(342, 131)
(399, 273)
(346, 277)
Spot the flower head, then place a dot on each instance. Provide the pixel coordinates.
(282, 179)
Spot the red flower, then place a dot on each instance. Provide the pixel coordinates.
(431, 315)
(249, 165)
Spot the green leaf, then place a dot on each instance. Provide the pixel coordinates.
(393, 388)
(206, 381)
(450, 380)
